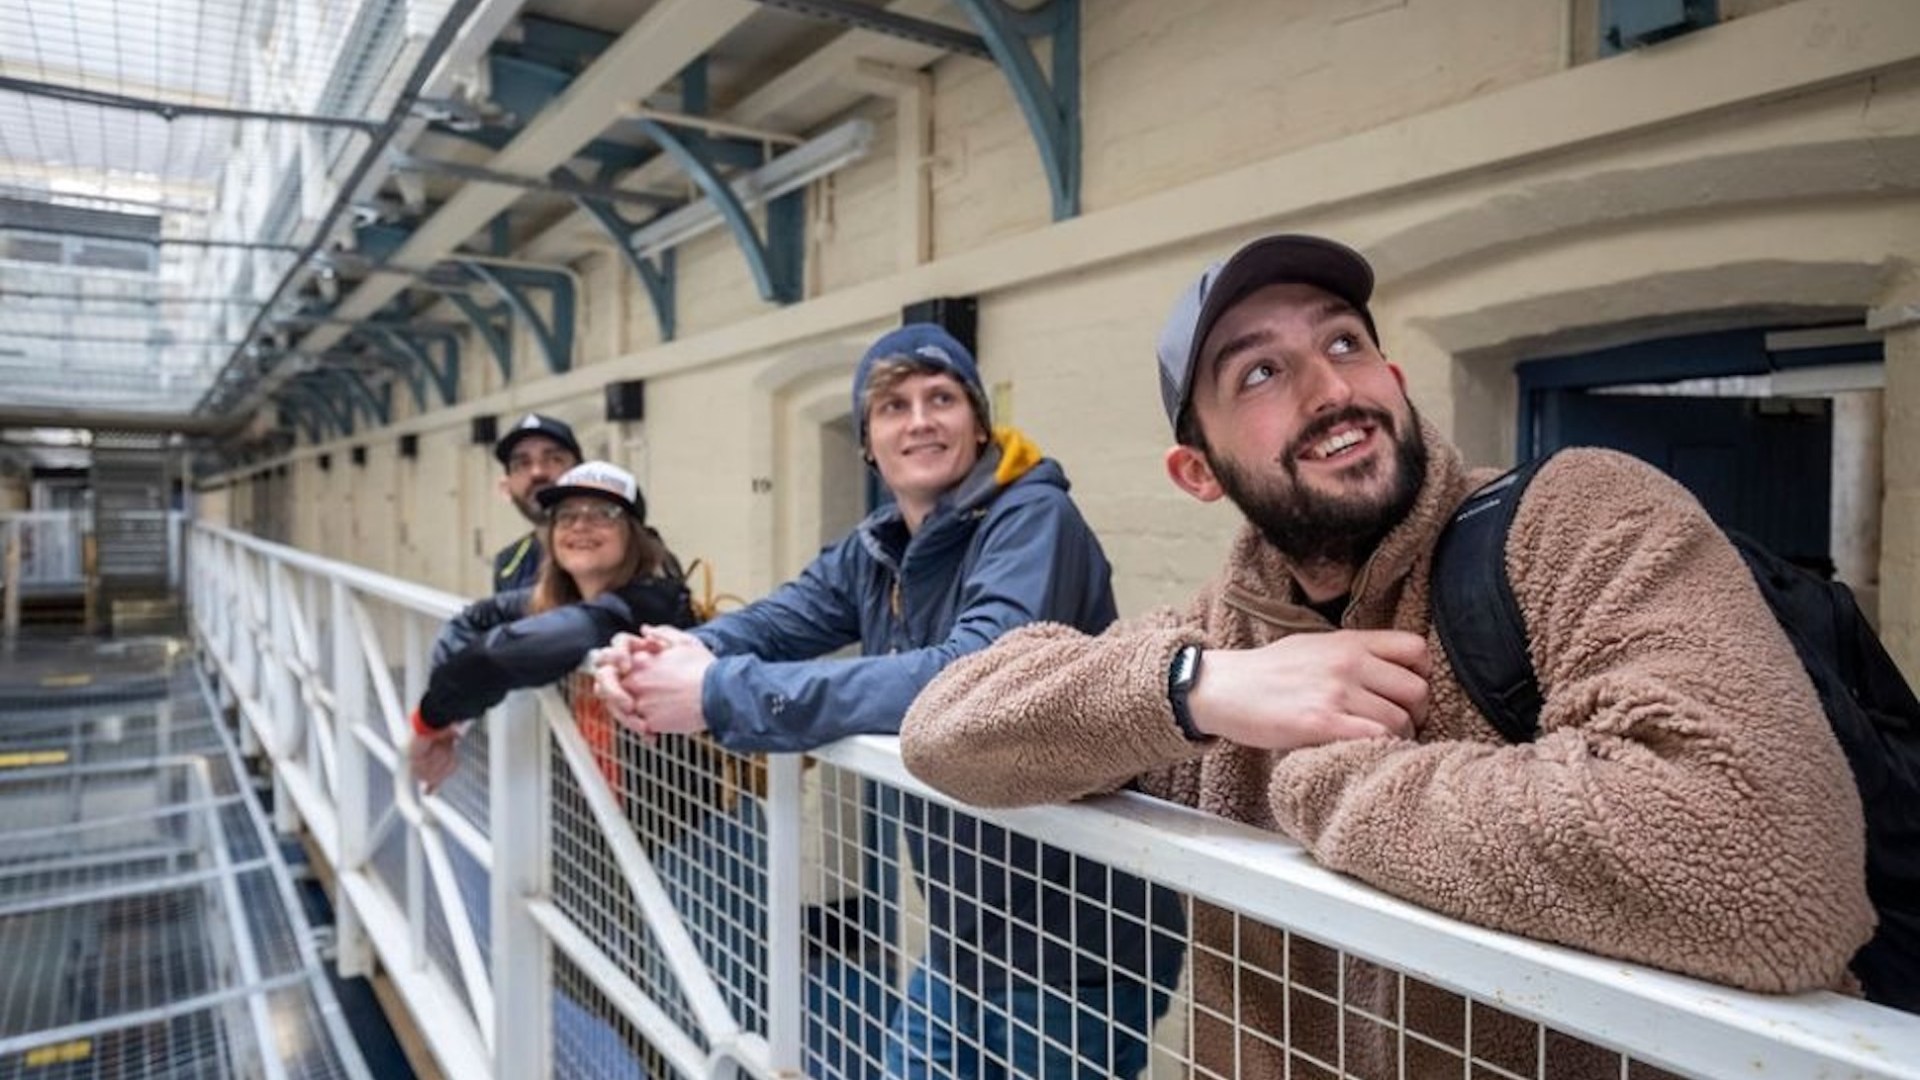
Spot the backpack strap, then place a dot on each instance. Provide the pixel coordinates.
(1474, 611)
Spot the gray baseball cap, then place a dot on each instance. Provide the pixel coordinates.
(1270, 260)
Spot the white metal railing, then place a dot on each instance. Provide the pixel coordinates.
(577, 902)
(49, 544)
(44, 551)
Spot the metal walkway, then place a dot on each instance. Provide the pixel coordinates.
(148, 924)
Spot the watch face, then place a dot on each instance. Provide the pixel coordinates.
(1185, 663)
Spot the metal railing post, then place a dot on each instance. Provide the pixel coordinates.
(786, 900)
(352, 814)
(522, 974)
(10, 579)
(283, 699)
(233, 602)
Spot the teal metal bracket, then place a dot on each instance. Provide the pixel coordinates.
(416, 346)
(772, 261)
(1052, 109)
(399, 363)
(494, 324)
(293, 411)
(656, 275)
(361, 397)
(321, 405)
(515, 286)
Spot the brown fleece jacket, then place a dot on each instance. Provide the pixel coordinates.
(1685, 805)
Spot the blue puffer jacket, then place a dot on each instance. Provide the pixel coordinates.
(1005, 548)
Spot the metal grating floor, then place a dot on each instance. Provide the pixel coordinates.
(148, 927)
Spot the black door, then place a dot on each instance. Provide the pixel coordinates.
(1762, 466)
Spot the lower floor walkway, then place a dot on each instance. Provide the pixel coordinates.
(149, 925)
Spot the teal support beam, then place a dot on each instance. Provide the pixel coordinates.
(421, 341)
(323, 406)
(379, 402)
(416, 346)
(494, 330)
(786, 240)
(774, 279)
(293, 411)
(360, 397)
(657, 277)
(514, 285)
(372, 346)
(1051, 107)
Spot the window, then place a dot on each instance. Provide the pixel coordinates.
(1630, 24)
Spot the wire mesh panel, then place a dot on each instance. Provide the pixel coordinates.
(80, 962)
(593, 1039)
(1239, 985)
(964, 949)
(941, 944)
(668, 794)
(1284, 1002)
(191, 1046)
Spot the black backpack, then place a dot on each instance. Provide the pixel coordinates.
(1871, 708)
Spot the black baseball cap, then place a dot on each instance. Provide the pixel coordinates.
(1270, 260)
(536, 424)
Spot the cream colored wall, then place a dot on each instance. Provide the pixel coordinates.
(1900, 514)
(15, 480)
(1191, 90)
(1763, 171)
(214, 506)
(1859, 449)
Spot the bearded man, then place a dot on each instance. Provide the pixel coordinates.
(1685, 804)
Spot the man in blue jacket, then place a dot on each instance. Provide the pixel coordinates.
(1060, 972)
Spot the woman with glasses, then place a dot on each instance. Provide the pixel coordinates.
(606, 572)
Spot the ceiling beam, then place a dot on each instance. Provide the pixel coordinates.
(50, 416)
(651, 54)
(834, 64)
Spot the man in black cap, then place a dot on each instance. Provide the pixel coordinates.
(1683, 803)
(534, 453)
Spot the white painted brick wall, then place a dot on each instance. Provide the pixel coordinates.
(852, 232)
(696, 468)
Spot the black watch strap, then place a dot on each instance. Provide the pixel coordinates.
(1181, 674)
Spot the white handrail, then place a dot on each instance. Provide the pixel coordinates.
(1662, 1019)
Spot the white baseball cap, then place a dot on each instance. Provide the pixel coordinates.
(600, 480)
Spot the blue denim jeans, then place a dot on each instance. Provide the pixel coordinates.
(1100, 1032)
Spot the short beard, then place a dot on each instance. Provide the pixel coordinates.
(530, 509)
(1313, 528)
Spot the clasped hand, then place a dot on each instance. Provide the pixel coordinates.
(651, 681)
(1313, 689)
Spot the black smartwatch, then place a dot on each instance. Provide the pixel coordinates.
(1181, 673)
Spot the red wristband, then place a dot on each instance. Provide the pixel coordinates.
(424, 729)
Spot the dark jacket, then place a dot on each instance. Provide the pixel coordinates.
(517, 565)
(469, 677)
(518, 560)
(1005, 548)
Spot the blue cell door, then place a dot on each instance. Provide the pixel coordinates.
(1762, 466)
